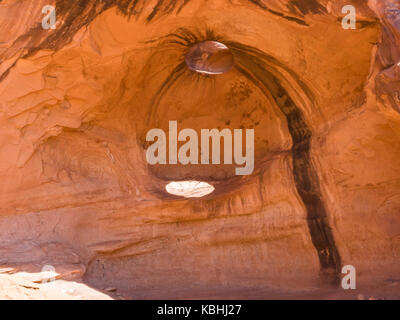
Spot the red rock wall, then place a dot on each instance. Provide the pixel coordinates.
(77, 101)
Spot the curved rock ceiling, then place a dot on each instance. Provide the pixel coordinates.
(77, 103)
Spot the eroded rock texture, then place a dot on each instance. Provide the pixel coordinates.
(76, 102)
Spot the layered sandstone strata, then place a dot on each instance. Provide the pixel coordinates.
(76, 103)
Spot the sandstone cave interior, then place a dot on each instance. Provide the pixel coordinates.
(78, 193)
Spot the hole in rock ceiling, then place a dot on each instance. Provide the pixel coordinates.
(209, 57)
(189, 189)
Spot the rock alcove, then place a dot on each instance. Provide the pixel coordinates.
(77, 101)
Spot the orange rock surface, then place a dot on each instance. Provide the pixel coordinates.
(77, 193)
